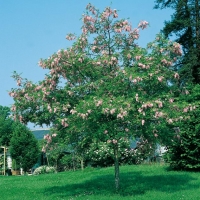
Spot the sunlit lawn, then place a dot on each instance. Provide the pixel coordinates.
(154, 182)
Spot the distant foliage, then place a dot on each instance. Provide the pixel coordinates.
(6, 126)
(24, 147)
(184, 152)
(44, 170)
(69, 162)
(102, 154)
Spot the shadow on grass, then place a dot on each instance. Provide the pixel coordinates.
(132, 184)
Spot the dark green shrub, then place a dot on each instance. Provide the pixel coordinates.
(184, 152)
(24, 147)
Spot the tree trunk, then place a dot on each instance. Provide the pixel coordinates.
(47, 160)
(82, 164)
(116, 167)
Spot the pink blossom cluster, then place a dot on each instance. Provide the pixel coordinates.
(70, 36)
(133, 35)
(143, 121)
(113, 61)
(42, 64)
(83, 115)
(87, 18)
(138, 57)
(122, 25)
(143, 24)
(135, 80)
(158, 114)
(170, 121)
(73, 111)
(159, 103)
(12, 94)
(189, 108)
(160, 78)
(143, 66)
(64, 123)
(99, 103)
(13, 108)
(91, 8)
(108, 12)
(122, 114)
(147, 105)
(37, 88)
(177, 48)
(166, 63)
(48, 138)
(114, 141)
(176, 75)
(19, 82)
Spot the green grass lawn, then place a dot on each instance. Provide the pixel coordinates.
(154, 182)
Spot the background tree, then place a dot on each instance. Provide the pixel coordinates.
(24, 147)
(183, 153)
(6, 126)
(185, 26)
(111, 89)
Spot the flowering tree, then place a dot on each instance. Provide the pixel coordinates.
(104, 86)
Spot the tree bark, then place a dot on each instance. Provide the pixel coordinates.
(117, 180)
(82, 164)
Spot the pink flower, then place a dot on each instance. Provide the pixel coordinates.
(108, 141)
(136, 97)
(140, 110)
(176, 75)
(119, 30)
(120, 116)
(143, 24)
(170, 121)
(127, 28)
(19, 82)
(143, 121)
(137, 57)
(134, 80)
(114, 141)
(54, 135)
(112, 111)
(13, 108)
(80, 60)
(160, 79)
(73, 111)
(43, 149)
(160, 105)
(129, 56)
(99, 103)
(115, 15)
(105, 131)
(186, 92)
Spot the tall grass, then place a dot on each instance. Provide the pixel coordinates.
(154, 182)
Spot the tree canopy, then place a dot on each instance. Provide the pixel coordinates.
(24, 147)
(185, 26)
(6, 126)
(105, 88)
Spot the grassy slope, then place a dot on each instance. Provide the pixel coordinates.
(152, 182)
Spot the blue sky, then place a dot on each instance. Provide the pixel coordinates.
(31, 30)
